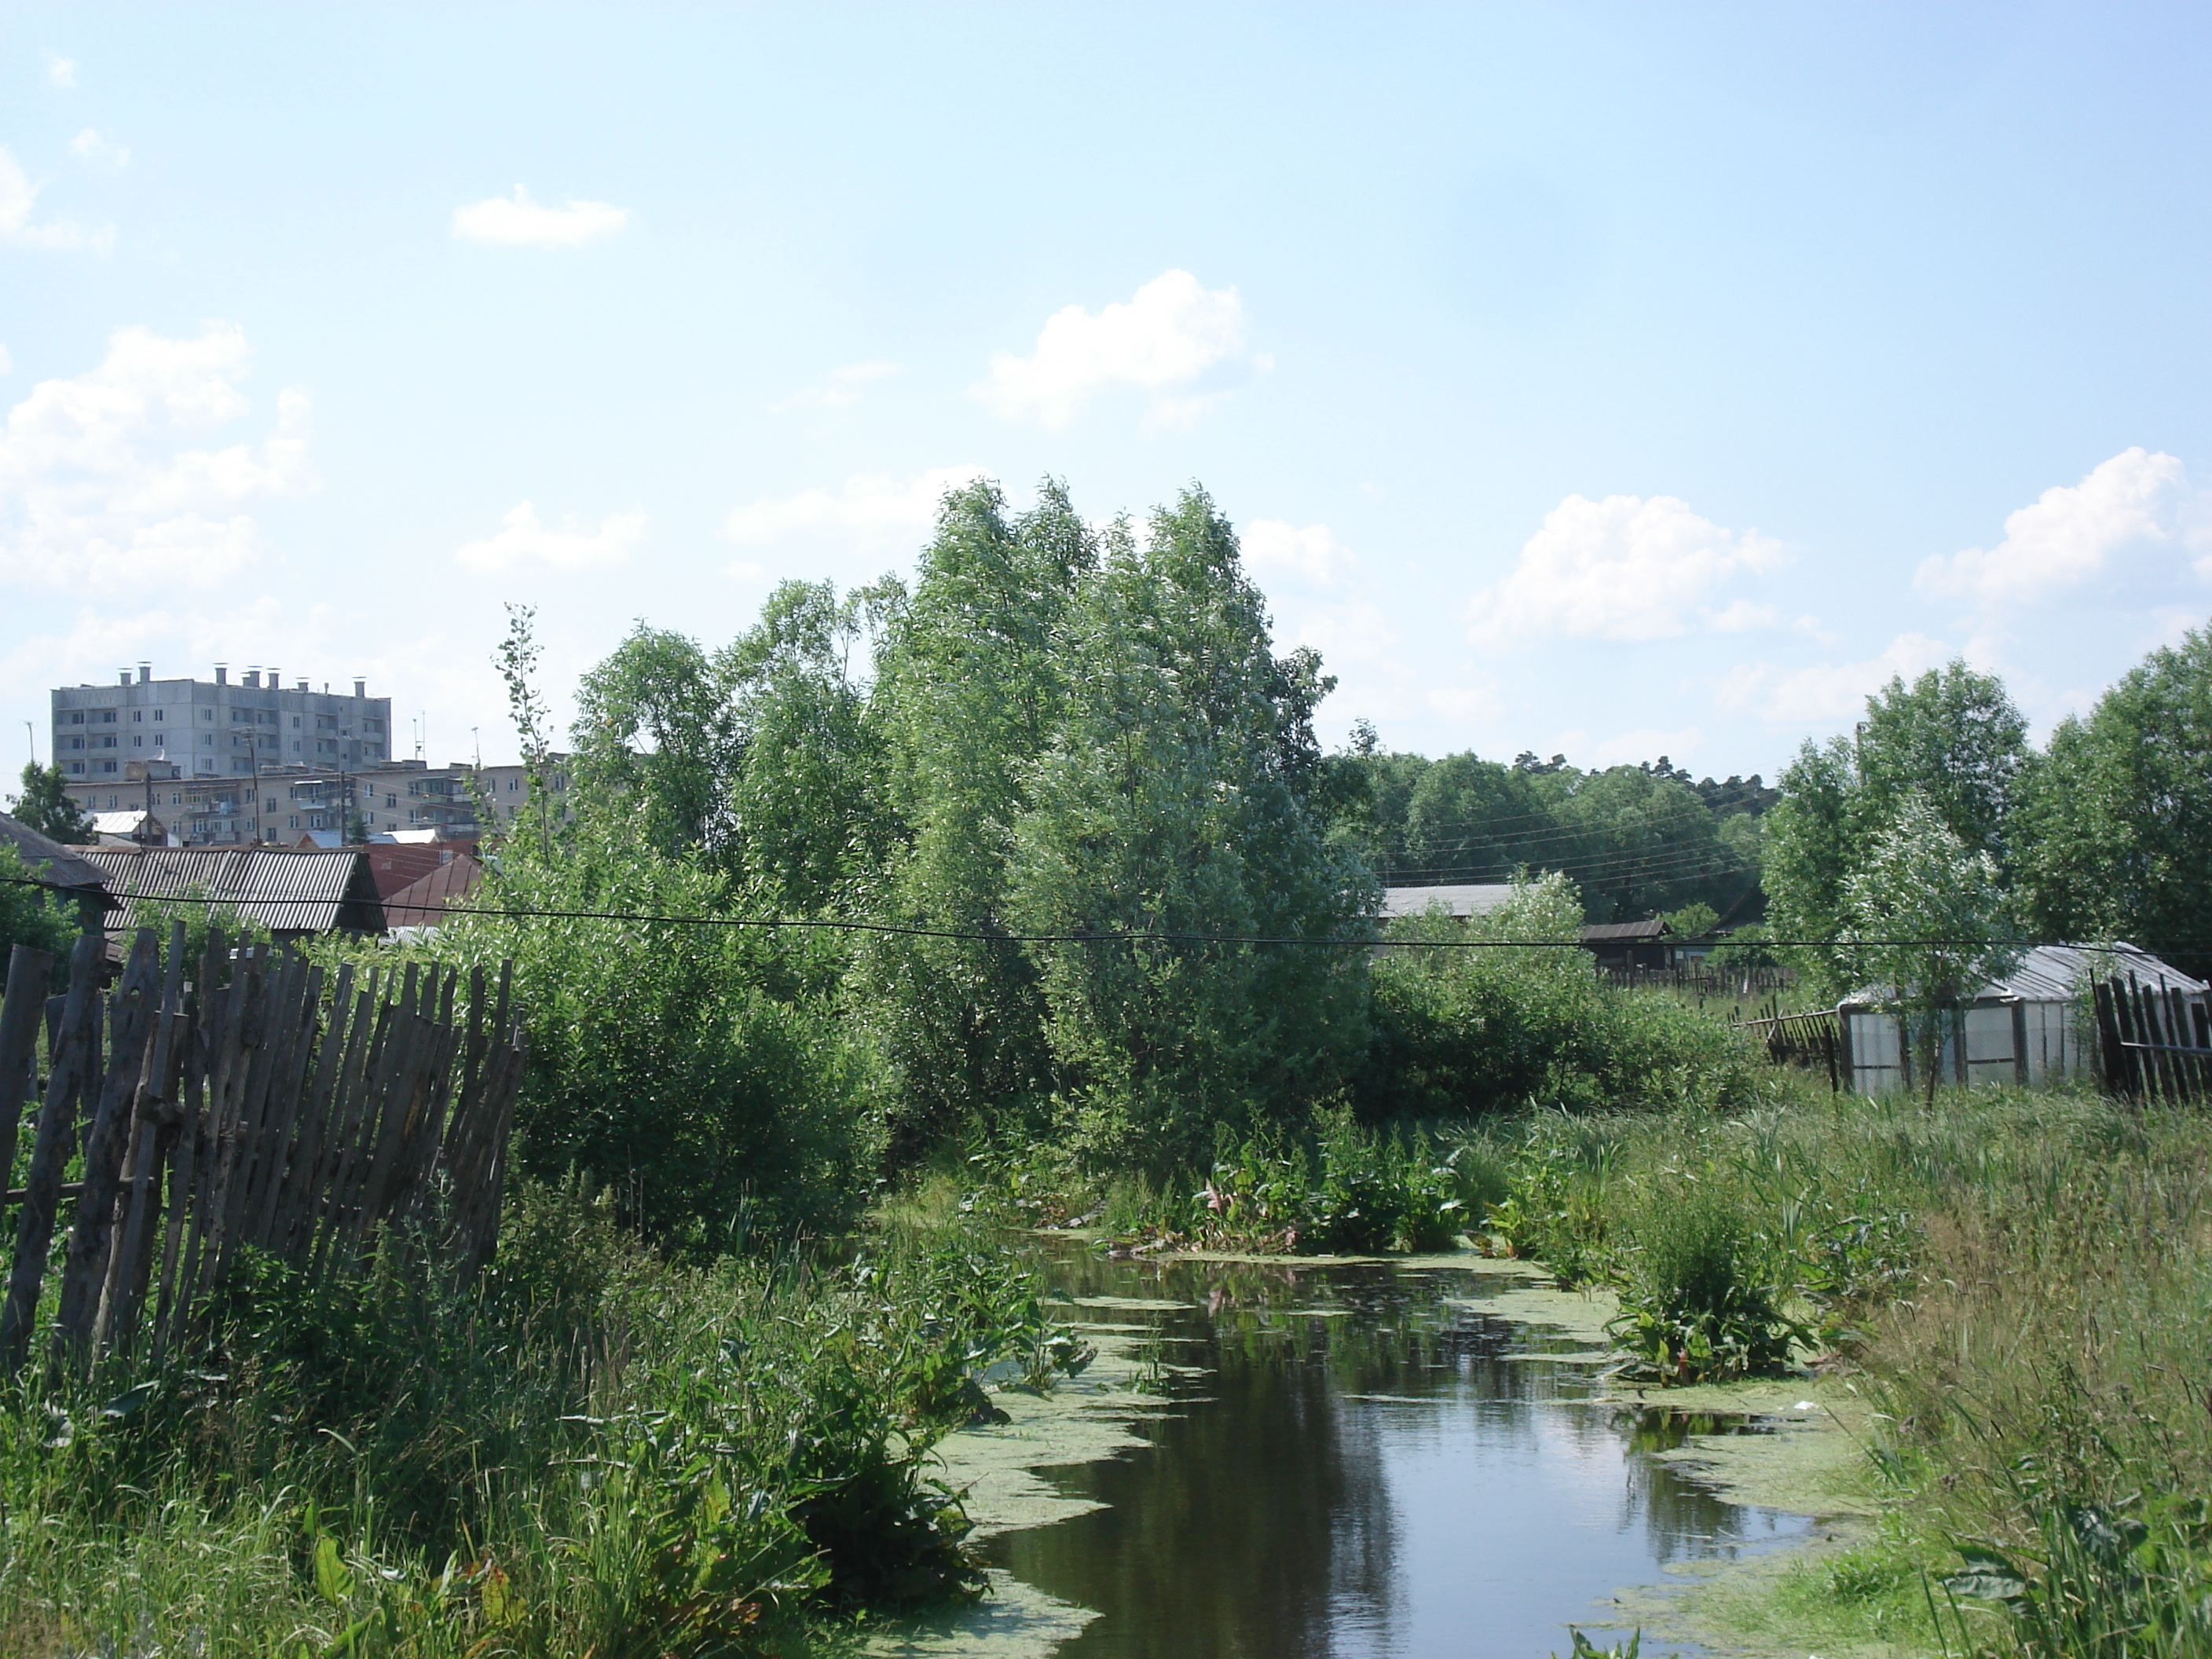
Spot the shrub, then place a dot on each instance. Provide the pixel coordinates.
(1695, 1307)
(702, 1073)
(1460, 1031)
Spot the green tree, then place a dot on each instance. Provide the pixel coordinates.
(45, 805)
(1814, 839)
(1953, 740)
(2115, 815)
(700, 1072)
(31, 914)
(655, 729)
(1954, 736)
(808, 799)
(1927, 924)
(1183, 799)
(970, 686)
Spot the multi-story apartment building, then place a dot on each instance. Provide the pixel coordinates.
(215, 729)
(284, 803)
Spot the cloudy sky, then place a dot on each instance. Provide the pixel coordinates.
(1603, 381)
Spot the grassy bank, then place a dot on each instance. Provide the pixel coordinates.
(2022, 1285)
(595, 1451)
(2018, 1285)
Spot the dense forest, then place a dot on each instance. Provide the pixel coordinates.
(1637, 841)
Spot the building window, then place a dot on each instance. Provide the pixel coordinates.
(108, 766)
(76, 718)
(138, 714)
(111, 803)
(76, 766)
(157, 717)
(107, 717)
(292, 823)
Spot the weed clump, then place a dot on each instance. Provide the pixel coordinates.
(1694, 1306)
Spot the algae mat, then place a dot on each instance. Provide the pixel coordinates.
(1087, 1417)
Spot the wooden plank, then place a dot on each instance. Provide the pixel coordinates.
(344, 1120)
(76, 1051)
(84, 1262)
(363, 1109)
(282, 1132)
(155, 1095)
(29, 971)
(243, 1044)
(182, 1157)
(259, 1105)
(301, 1183)
(230, 984)
(410, 1039)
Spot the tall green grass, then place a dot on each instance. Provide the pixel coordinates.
(592, 1452)
(2022, 1281)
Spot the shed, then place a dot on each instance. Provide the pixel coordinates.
(1458, 902)
(134, 828)
(2025, 1027)
(59, 868)
(1645, 944)
(288, 892)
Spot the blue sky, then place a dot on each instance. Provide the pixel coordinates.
(1603, 381)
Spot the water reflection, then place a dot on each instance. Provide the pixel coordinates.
(1361, 1467)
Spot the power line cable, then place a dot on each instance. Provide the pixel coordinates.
(848, 925)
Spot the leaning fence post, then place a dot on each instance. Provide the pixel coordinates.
(76, 1042)
(84, 1266)
(28, 973)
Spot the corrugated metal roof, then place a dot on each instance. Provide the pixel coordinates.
(401, 866)
(1624, 933)
(422, 904)
(284, 891)
(2052, 973)
(49, 859)
(1461, 902)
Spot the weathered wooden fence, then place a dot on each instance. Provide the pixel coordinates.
(1704, 979)
(1807, 1039)
(237, 1107)
(2155, 1044)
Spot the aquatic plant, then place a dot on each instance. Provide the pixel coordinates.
(1694, 1308)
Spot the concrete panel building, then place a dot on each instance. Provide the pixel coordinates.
(215, 728)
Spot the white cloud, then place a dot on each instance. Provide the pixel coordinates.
(523, 539)
(97, 482)
(1165, 340)
(89, 146)
(523, 223)
(1826, 691)
(842, 390)
(1622, 568)
(872, 510)
(1275, 545)
(7, 362)
(1470, 705)
(61, 71)
(18, 195)
(2138, 500)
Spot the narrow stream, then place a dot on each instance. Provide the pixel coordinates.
(1360, 1462)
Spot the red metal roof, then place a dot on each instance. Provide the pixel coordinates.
(422, 904)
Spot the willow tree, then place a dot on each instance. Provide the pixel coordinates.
(1926, 926)
(1177, 817)
(970, 686)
